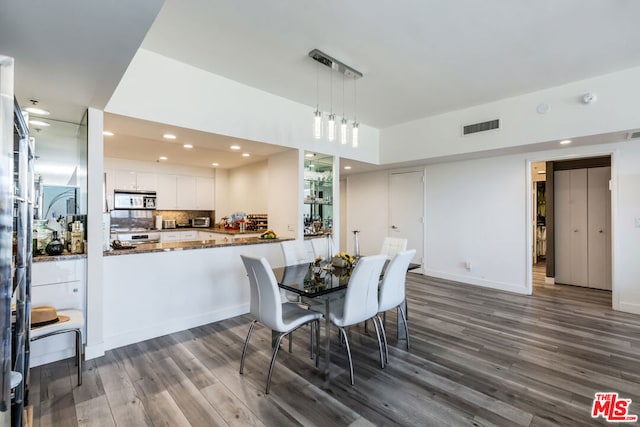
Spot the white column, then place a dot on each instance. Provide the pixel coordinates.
(95, 208)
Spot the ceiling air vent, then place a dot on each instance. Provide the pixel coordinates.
(481, 127)
(633, 134)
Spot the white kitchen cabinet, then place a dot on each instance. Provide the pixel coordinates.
(166, 193)
(188, 236)
(186, 192)
(206, 235)
(137, 181)
(204, 193)
(169, 236)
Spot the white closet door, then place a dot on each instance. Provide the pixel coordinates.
(599, 218)
(571, 227)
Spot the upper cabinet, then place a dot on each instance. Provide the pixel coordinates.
(204, 193)
(138, 181)
(166, 193)
(186, 195)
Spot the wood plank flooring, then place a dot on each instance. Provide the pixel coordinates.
(478, 357)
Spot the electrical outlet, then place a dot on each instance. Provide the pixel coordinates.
(637, 221)
(289, 227)
(467, 265)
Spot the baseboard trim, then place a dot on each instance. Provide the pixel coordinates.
(550, 280)
(93, 351)
(174, 325)
(628, 308)
(501, 286)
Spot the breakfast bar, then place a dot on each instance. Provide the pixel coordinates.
(156, 289)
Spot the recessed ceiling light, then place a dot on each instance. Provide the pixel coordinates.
(309, 155)
(347, 167)
(565, 141)
(38, 123)
(215, 164)
(107, 133)
(169, 136)
(163, 158)
(188, 146)
(235, 147)
(245, 154)
(38, 111)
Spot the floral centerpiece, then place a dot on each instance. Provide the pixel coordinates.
(342, 260)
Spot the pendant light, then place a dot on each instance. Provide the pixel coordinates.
(354, 130)
(346, 71)
(331, 124)
(343, 122)
(317, 119)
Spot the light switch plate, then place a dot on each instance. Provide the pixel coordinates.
(637, 221)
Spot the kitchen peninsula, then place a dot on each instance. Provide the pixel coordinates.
(156, 289)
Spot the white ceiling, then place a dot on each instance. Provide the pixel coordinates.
(418, 57)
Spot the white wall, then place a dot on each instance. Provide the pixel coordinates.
(248, 189)
(164, 90)
(283, 195)
(476, 212)
(436, 136)
(479, 211)
(626, 227)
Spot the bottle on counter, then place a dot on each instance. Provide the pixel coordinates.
(77, 238)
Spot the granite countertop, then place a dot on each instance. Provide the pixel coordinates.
(198, 244)
(65, 256)
(207, 229)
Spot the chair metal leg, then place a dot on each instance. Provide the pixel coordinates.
(346, 340)
(79, 355)
(375, 324)
(290, 342)
(273, 362)
(246, 344)
(406, 326)
(317, 323)
(384, 340)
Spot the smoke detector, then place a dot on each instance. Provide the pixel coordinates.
(589, 98)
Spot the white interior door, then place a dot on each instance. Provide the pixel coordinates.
(599, 225)
(571, 227)
(406, 216)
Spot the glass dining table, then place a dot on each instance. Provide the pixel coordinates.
(320, 286)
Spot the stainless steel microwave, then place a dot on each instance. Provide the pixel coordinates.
(203, 221)
(127, 199)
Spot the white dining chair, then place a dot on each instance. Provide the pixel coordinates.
(267, 309)
(392, 292)
(323, 247)
(393, 245)
(297, 252)
(360, 302)
(74, 325)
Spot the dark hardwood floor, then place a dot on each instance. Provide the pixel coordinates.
(478, 357)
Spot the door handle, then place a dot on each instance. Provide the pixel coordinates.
(393, 227)
(600, 231)
(575, 231)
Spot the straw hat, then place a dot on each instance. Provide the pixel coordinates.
(43, 315)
